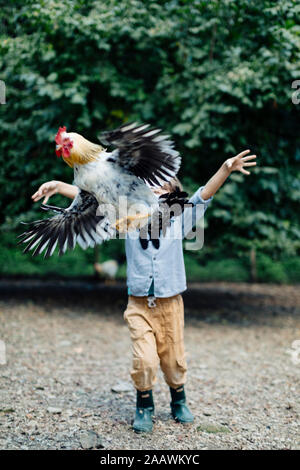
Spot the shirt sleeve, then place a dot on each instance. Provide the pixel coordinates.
(193, 214)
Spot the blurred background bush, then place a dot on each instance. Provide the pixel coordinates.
(217, 75)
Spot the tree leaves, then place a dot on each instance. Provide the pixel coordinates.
(217, 75)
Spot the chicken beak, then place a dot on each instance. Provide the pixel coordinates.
(58, 147)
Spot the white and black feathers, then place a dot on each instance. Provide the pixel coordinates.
(144, 158)
(79, 223)
(170, 205)
(145, 152)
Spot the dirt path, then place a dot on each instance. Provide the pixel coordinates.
(64, 357)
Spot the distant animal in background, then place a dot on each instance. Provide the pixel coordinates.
(107, 270)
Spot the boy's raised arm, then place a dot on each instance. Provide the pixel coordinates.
(237, 163)
(50, 188)
(202, 197)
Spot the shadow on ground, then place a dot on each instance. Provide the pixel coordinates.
(213, 302)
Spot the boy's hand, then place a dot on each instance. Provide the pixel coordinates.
(239, 162)
(46, 190)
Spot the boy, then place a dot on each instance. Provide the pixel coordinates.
(155, 313)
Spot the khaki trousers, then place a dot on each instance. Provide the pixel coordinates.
(157, 338)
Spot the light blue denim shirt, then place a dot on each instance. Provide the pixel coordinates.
(163, 266)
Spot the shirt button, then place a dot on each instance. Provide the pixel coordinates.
(154, 258)
(151, 277)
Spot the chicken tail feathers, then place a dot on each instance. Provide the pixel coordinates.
(170, 205)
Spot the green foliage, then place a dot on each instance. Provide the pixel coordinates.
(13, 262)
(264, 221)
(72, 264)
(292, 269)
(271, 271)
(79, 263)
(217, 75)
(216, 270)
(282, 271)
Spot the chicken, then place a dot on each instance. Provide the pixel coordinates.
(116, 188)
(108, 269)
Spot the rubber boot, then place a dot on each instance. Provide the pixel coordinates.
(144, 412)
(180, 410)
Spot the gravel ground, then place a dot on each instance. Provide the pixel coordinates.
(65, 357)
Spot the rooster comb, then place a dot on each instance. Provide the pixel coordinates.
(58, 138)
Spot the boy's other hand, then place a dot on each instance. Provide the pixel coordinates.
(46, 190)
(240, 161)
